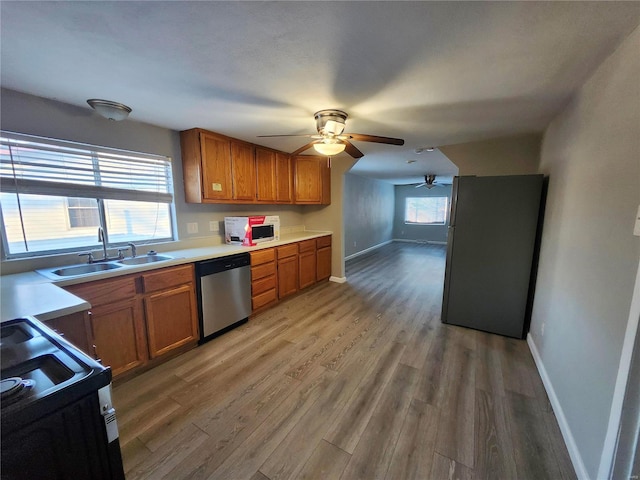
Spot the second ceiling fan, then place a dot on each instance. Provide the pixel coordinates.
(330, 139)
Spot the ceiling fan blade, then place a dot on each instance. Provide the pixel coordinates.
(303, 148)
(309, 135)
(352, 150)
(373, 138)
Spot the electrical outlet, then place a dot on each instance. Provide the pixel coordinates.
(192, 227)
(214, 227)
(354, 243)
(542, 329)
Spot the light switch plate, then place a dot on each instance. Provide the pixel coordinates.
(214, 227)
(636, 228)
(192, 227)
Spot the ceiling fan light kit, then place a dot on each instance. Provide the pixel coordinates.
(108, 109)
(330, 139)
(329, 149)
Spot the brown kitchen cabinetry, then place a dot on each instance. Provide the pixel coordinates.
(74, 328)
(306, 263)
(264, 283)
(265, 175)
(243, 171)
(220, 169)
(323, 258)
(287, 256)
(138, 317)
(170, 309)
(284, 178)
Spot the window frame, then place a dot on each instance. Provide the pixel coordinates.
(96, 193)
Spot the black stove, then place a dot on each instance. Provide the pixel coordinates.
(56, 416)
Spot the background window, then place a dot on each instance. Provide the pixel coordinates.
(426, 210)
(83, 212)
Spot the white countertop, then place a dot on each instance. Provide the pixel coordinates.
(33, 294)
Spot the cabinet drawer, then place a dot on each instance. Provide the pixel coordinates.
(102, 292)
(262, 285)
(262, 256)
(167, 277)
(263, 270)
(323, 241)
(264, 299)
(287, 250)
(306, 246)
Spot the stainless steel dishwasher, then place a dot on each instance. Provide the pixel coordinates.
(224, 294)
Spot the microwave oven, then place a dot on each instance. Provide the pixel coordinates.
(252, 230)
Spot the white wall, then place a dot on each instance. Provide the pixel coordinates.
(589, 257)
(368, 213)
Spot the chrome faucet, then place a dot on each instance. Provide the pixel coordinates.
(133, 250)
(102, 238)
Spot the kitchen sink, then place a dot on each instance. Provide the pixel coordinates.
(84, 269)
(145, 259)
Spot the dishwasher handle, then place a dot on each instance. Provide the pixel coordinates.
(217, 265)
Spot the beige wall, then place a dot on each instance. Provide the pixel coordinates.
(331, 217)
(589, 256)
(514, 155)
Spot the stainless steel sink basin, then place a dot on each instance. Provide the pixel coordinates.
(84, 269)
(145, 259)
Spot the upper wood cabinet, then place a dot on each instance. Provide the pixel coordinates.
(220, 169)
(312, 180)
(265, 175)
(284, 178)
(243, 171)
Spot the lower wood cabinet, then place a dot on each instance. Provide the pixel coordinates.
(287, 270)
(323, 258)
(119, 335)
(74, 328)
(279, 272)
(161, 311)
(137, 318)
(306, 263)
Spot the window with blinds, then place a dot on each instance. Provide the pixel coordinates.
(55, 195)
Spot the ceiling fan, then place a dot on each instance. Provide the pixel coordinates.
(330, 140)
(430, 182)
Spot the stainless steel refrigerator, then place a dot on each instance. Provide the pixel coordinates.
(490, 252)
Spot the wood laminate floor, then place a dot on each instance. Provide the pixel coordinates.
(347, 381)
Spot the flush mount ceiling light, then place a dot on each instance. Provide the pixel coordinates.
(108, 109)
(329, 148)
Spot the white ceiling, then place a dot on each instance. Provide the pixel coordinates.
(432, 73)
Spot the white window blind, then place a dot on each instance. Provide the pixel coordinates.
(28, 165)
(54, 195)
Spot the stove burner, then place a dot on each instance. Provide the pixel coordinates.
(13, 389)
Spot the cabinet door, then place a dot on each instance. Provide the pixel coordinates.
(74, 328)
(287, 276)
(243, 171)
(118, 333)
(323, 262)
(265, 175)
(283, 178)
(171, 319)
(216, 167)
(308, 180)
(307, 268)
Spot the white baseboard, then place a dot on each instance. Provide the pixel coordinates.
(570, 442)
(428, 242)
(367, 250)
(337, 279)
